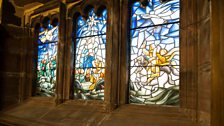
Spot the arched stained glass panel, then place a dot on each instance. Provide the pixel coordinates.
(46, 64)
(90, 54)
(154, 53)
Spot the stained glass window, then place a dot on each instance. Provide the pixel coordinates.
(90, 54)
(46, 64)
(154, 53)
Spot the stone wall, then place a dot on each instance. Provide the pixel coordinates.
(13, 71)
(16, 56)
(217, 48)
(204, 62)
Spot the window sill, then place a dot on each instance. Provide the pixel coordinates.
(70, 113)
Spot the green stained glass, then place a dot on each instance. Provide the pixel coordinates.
(46, 61)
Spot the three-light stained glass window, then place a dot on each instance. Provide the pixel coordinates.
(154, 53)
(90, 56)
(47, 56)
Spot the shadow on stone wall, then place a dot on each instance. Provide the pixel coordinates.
(8, 12)
(13, 62)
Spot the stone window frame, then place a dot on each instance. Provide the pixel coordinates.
(188, 66)
(36, 19)
(81, 8)
(117, 62)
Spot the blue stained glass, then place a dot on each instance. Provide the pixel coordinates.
(136, 5)
(104, 15)
(49, 26)
(146, 23)
(47, 51)
(90, 57)
(41, 29)
(134, 8)
(104, 29)
(47, 61)
(157, 36)
(147, 34)
(92, 26)
(134, 33)
(175, 27)
(155, 13)
(88, 47)
(157, 30)
(85, 51)
(48, 35)
(141, 22)
(140, 11)
(104, 39)
(164, 31)
(173, 34)
(154, 54)
(148, 9)
(134, 19)
(87, 61)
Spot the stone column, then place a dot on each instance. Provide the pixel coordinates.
(217, 53)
